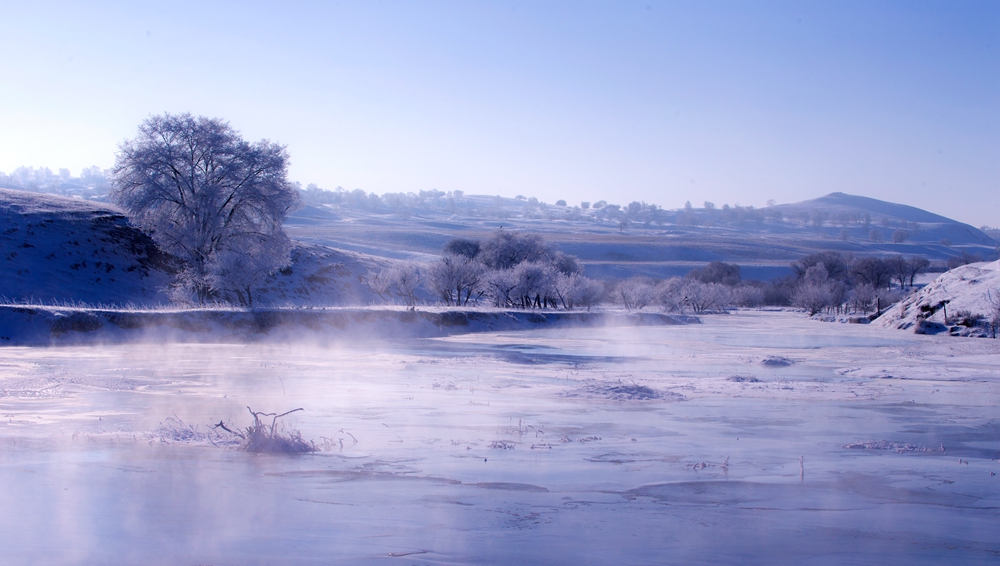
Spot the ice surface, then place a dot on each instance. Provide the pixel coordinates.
(554, 446)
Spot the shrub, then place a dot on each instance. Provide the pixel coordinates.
(263, 438)
(968, 319)
(814, 297)
(748, 296)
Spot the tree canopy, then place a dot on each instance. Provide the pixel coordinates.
(209, 197)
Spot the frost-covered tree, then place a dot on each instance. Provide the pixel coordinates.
(402, 279)
(748, 296)
(837, 266)
(816, 275)
(717, 272)
(456, 279)
(814, 297)
(405, 279)
(576, 290)
(915, 266)
(705, 297)
(499, 285)
(670, 294)
(872, 271)
(242, 264)
(993, 318)
(535, 281)
(905, 269)
(380, 283)
(680, 294)
(863, 298)
(202, 191)
(511, 269)
(897, 265)
(635, 293)
(462, 246)
(507, 248)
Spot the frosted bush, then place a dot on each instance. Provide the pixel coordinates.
(635, 293)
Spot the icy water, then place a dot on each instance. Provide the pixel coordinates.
(726, 442)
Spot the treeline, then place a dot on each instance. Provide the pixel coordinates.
(400, 203)
(826, 281)
(507, 270)
(633, 214)
(514, 270)
(92, 182)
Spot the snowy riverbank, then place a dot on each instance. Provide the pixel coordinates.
(962, 302)
(39, 325)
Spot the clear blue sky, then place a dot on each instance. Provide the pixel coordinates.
(733, 102)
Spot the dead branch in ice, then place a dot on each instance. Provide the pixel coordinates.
(173, 429)
(261, 437)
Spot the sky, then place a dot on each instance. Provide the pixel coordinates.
(664, 102)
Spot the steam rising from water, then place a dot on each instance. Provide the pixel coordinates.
(596, 445)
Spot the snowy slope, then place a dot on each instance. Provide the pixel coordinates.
(321, 276)
(675, 243)
(942, 305)
(55, 249)
(932, 227)
(63, 250)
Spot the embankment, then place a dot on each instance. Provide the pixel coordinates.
(36, 325)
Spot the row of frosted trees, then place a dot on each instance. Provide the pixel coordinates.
(509, 269)
(514, 270)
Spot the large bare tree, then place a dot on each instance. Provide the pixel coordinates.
(208, 197)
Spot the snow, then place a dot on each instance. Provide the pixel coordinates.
(973, 288)
(56, 250)
(42, 325)
(624, 445)
(479, 436)
(762, 249)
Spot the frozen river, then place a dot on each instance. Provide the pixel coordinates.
(757, 437)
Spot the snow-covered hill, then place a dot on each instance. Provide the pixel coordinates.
(321, 276)
(641, 239)
(964, 302)
(921, 226)
(57, 249)
(63, 250)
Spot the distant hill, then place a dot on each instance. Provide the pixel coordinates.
(848, 211)
(57, 249)
(639, 238)
(844, 201)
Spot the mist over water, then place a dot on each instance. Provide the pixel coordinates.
(500, 283)
(714, 443)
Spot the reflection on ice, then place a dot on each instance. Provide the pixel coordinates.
(583, 446)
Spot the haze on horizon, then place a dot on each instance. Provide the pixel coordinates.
(663, 102)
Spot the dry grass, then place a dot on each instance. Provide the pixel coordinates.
(263, 438)
(743, 379)
(886, 445)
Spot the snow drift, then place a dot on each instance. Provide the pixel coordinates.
(962, 302)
